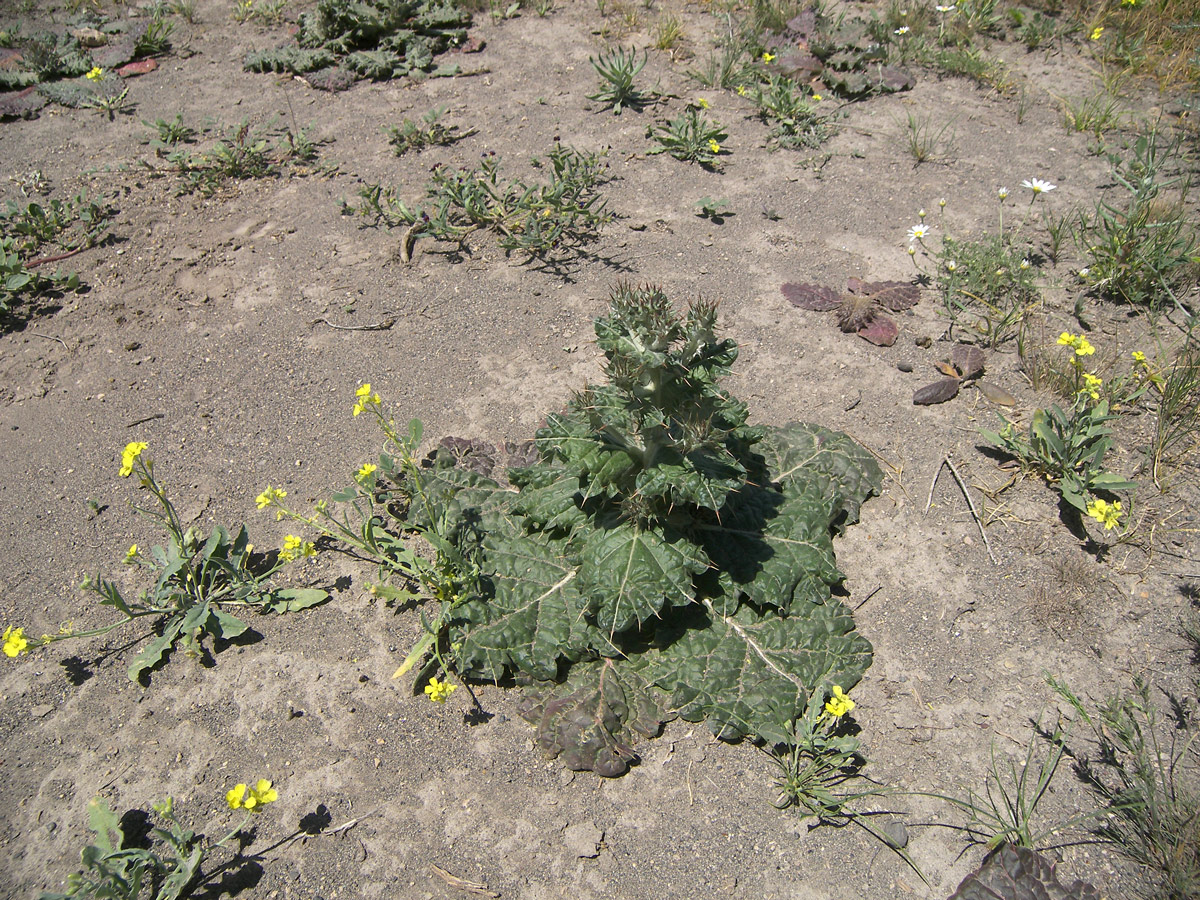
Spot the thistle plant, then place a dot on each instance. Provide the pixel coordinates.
(617, 69)
(196, 580)
(654, 555)
(691, 137)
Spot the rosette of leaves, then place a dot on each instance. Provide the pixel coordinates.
(860, 308)
(660, 557)
(376, 39)
(841, 52)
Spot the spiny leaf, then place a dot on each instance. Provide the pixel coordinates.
(1018, 873)
(752, 673)
(535, 616)
(629, 573)
(795, 452)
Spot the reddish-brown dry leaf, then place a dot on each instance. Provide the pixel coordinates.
(881, 331)
(812, 296)
(968, 359)
(938, 392)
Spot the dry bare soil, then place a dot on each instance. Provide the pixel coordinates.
(229, 333)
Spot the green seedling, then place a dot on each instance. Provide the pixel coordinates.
(429, 132)
(691, 137)
(713, 210)
(617, 69)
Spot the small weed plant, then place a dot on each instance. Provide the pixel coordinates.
(650, 554)
(691, 137)
(541, 220)
(1006, 812)
(791, 113)
(71, 224)
(1068, 447)
(165, 135)
(170, 868)
(617, 70)
(1145, 774)
(926, 142)
(988, 285)
(429, 132)
(1177, 418)
(196, 579)
(1141, 250)
(244, 152)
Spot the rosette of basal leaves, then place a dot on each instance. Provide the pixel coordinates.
(660, 557)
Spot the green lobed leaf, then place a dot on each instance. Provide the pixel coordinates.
(751, 673)
(777, 548)
(535, 616)
(153, 653)
(794, 452)
(629, 572)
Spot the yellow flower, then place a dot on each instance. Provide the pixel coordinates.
(818, 98)
(768, 57)
(713, 145)
(1139, 357)
(251, 799)
(131, 553)
(741, 90)
(1107, 514)
(269, 496)
(839, 704)
(365, 472)
(15, 642)
(365, 398)
(1090, 385)
(702, 103)
(438, 691)
(295, 547)
(1076, 341)
(131, 452)
(96, 74)
(1096, 32)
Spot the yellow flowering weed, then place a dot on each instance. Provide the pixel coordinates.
(438, 691)
(15, 642)
(129, 455)
(839, 704)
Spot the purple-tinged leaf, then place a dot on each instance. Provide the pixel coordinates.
(881, 331)
(811, 296)
(968, 359)
(939, 392)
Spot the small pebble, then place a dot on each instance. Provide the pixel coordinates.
(904, 366)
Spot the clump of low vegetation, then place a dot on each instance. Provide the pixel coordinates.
(544, 221)
(343, 40)
(649, 555)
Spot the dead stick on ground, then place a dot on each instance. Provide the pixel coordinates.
(378, 326)
(57, 257)
(974, 512)
(471, 887)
